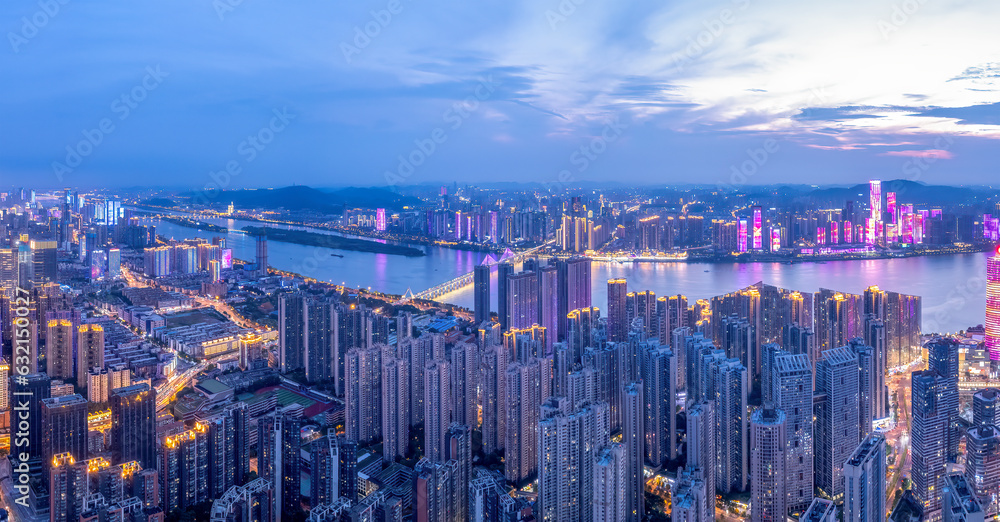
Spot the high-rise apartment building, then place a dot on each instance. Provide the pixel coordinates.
(982, 465)
(929, 426)
(633, 417)
(837, 417)
(481, 289)
(943, 358)
(494, 401)
(609, 484)
(59, 347)
(793, 395)
(395, 408)
(701, 454)
(437, 408)
(363, 416)
(768, 432)
(521, 423)
(133, 424)
(731, 436)
(864, 481)
(568, 440)
(89, 350)
(617, 316)
(659, 371)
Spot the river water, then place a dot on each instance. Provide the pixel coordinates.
(953, 287)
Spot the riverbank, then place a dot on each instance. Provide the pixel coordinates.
(301, 237)
(190, 223)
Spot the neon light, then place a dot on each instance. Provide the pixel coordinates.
(742, 237)
(758, 229)
(876, 200)
(380, 219)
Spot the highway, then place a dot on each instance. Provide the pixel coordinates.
(899, 436)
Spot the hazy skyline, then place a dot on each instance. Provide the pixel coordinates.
(826, 93)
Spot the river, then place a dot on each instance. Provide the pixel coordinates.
(953, 287)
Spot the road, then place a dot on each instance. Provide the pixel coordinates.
(899, 436)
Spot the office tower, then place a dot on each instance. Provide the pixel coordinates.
(504, 271)
(43, 257)
(395, 408)
(659, 370)
(792, 382)
(609, 484)
(943, 358)
(465, 384)
(521, 424)
(928, 437)
(64, 427)
(458, 450)
(993, 306)
(59, 348)
(689, 498)
(362, 416)
(568, 440)
(959, 501)
(864, 481)
(701, 454)
(986, 407)
(481, 287)
(982, 464)
(871, 386)
(522, 300)
(279, 444)
(67, 488)
(633, 417)
(261, 258)
(89, 350)
(731, 437)
(768, 443)
(324, 470)
(133, 424)
(184, 468)
(437, 408)
(617, 317)
(837, 417)
(821, 510)
(114, 263)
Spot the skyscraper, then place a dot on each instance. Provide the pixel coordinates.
(324, 470)
(437, 408)
(659, 371)
(986, 407)
(633, 417)
(928, 437)
(59, 345)
(261, 255)
(568, 440)
(548, 305)
(993, 306)
(184, 468)
(731, 437)
(362, 416)
(395, 408)
(89, 350)
(64, 427)
(837, 415)
(617, 318)
(522, 300)
(504, 271)
(133, 424)
(521, 423)
(701, 453)
(609, 484)
(279, 443)
(494, 392)
(864, 481)
(768, 432)
(481, 284)
(943, 358)
(982, 465)
(458, 451)
(464, 367)
(792, 381)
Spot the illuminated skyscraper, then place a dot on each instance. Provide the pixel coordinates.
(261, 255)
(89, 350)
(742, 236)
(993, 306)
(494, 391)
(633, 434)
(659, 371)
(792, 393)
(521, 423)
(617, 319)
(875, 204)
(133, 427)
(568, 441)
(504, 271)
(837, 431)
(982, 464)
(522, 300)
(864, 481)
(943, 358)
(59, 345)
(758, 228)
(731, 438)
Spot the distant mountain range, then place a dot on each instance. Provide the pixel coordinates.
(302, 198)
(906, 192)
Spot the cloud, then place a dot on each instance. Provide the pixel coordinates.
(928, 153)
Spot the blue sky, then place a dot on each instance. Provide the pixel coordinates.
(377, 92)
